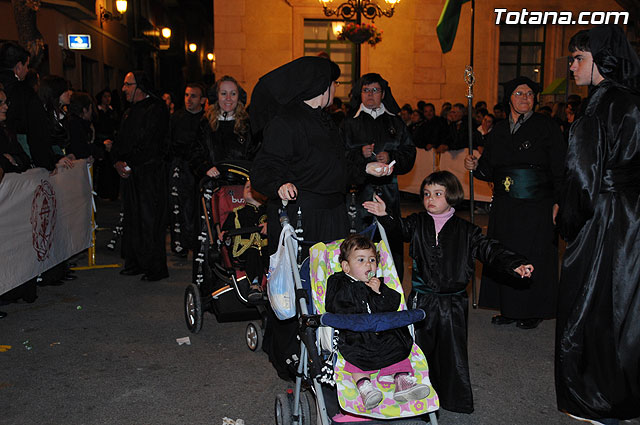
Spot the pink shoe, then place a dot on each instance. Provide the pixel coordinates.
(407, 389)
(371, 396)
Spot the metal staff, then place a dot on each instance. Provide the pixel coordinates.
(470, 79)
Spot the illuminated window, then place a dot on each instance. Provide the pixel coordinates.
(319, 37)
(521, 53)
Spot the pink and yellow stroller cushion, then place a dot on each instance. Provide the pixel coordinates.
(323, 263)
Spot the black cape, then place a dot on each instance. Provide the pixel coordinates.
(141, 143)
(598, 323)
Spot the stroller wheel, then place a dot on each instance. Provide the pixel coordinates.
(193, 308)
(253, 336)
(308, 409)
(283, 410)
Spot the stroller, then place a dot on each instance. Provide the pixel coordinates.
(219, 284)
(320, 360)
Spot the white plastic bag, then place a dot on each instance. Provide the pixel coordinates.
(280, 283)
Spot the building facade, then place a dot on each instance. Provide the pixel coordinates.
(252, 37)
(121, 42)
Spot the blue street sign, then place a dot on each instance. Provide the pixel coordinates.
(79, 41)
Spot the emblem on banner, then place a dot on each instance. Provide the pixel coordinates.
(43, 219)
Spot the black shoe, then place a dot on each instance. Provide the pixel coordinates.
(154, 277)
(3, 314)
(528, 323)
(130, 271)
(499, 319)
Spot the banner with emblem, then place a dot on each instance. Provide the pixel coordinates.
(44, 220)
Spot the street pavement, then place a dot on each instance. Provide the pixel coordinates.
(102, 350)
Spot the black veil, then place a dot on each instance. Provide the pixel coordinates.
(296, 81)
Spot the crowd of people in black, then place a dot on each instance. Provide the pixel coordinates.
(312, 150)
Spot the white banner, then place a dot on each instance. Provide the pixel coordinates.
(452, 161)
(44, 220)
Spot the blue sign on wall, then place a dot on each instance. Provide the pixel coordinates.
(79, 41)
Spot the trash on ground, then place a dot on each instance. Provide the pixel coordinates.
(5, 348)
(185, 340)
(229, 421)
(54, 343)
(79, 307)
(27, 345)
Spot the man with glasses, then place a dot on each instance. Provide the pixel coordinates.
(524, 159)
(377, 133)
(139, 154)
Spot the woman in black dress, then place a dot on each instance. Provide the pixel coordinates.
(224, 132)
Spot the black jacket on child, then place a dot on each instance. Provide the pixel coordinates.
(441, 273)
(367, 350)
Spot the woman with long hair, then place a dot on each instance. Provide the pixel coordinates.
(224, 132)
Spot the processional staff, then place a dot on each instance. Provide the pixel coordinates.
(470, 79)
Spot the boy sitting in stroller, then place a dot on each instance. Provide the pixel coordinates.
(247, 248)
(357, 290)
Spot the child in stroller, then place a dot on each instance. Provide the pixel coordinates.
(356, 290)
(247, 248)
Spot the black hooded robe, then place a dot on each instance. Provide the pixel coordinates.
(183, 135)
(523, 225)
(141, 143)
(598, 324)
(441, 273)
(301, 145)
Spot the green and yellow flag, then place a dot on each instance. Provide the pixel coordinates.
(448, 23)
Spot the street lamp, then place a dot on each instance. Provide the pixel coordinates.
(349, 9)
(367, 8)
(193, 47)
(210, 56)
(105, 15)
(166, 32)
(121, 6)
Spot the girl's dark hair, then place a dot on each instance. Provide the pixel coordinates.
(353, 242)
(79, 101)
(51, 87)
(454, 193)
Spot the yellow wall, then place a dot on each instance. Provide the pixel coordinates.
(253, 37)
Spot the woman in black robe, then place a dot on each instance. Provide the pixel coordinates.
(598, 325)
(376, 133)
(302, 160)
(524, 158)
